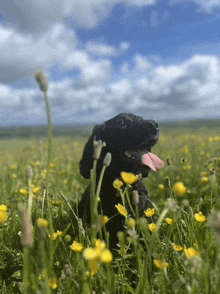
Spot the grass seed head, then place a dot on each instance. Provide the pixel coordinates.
(41, 80)
(27, 238)
(29, 172)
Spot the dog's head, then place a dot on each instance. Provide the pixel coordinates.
(129, 139)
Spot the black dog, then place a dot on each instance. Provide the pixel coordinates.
(129, 139)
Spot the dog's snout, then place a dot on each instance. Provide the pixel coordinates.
(152, 127)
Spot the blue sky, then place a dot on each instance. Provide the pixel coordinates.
(158, 59)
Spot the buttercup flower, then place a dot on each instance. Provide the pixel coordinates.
(52, 283)
(103, 219)
(190, 252)
(128, 178)
(3, 216)
(97, 254)
(177, 247)
(160, 264)
(161, 186)
(24, 191)
(199, 217)
(106, 256)
(121, 210)
(149, 212)
(179, 188)
(3, 207)
(204, 179)
(76, 246)
(169, 220)
(130, 222)
(152, 227)
(42, 222)
(117, 184)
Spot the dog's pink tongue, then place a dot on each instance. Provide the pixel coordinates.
(152, 161)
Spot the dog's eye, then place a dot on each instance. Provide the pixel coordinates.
(121, 123)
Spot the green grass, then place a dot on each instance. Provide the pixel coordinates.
(198, 274)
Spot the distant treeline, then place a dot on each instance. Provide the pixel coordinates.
(41, 131)
(72, 131)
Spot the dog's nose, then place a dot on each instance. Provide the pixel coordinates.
(152, 127)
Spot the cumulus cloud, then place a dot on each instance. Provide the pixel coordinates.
(141, 63)
(37, 15)
(101, 49)
(174, 91)
(22, 54)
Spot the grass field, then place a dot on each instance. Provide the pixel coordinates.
(183, 250)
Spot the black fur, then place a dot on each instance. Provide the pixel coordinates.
(122, 132)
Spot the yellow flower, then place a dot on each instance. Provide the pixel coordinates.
(57, 203)
(169, 220)
(161, 186)
(204, 173)
(190, 252)
(42, 222)
(24, 191)
(103, 219)
(122, 251)
(90, 273)
(52, 283)
(13, 166)
(106, 256)
(121, 210)
(177, 178)
(130, 222)
(90, 254)
(52, 164)
(54, 236)
(186, 149)
(97, 254)
(204, 179)
(76, 246)
(35, 189)
(93, 265)
(160, 264)
(59, 233)
(3, 207)
(179, 188)
(117, 184)
(149, 212)
(128, 178)
(3, 215)
(177, 247)
(62, 172)
(152, 227)
(14, 176)
(42, 275)
(199, 217)
(65, 181)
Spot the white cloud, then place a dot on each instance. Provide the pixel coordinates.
(124, 46)
(101, 49)
(174, 91)
(141, 63)
(125, 67)
(37, 15)
(22, 54)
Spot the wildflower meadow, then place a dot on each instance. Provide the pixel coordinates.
(46, 248)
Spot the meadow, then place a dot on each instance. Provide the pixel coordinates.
(183, 248)
(46, 248)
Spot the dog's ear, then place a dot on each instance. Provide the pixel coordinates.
(86, 162)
